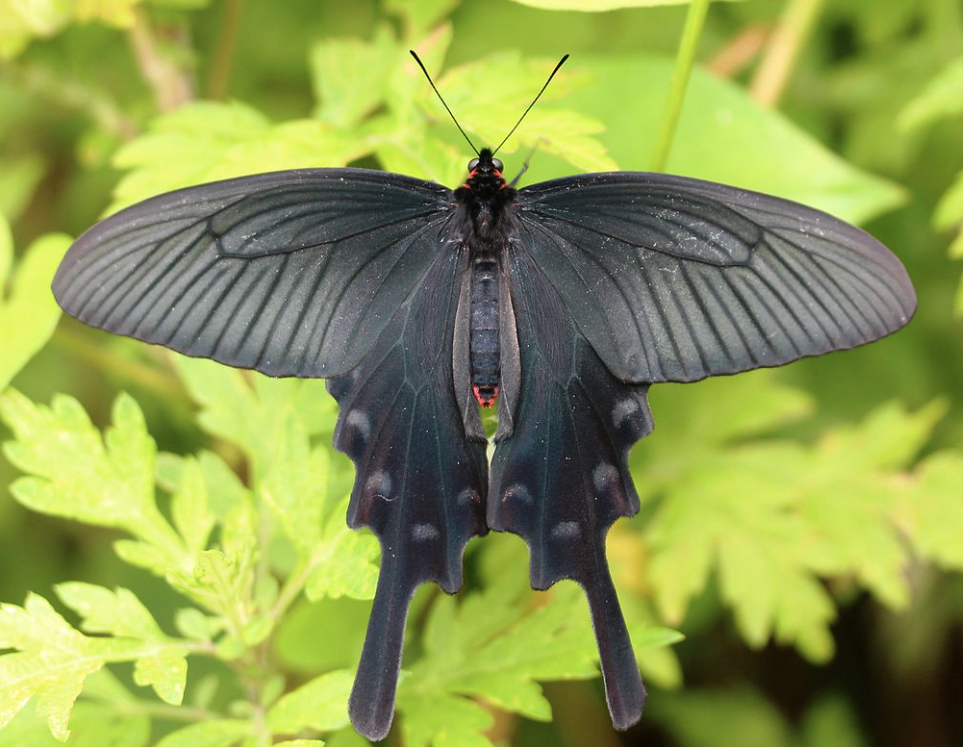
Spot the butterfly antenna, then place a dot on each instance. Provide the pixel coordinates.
(432, 83)
(560, 63)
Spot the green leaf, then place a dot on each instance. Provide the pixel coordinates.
(351, 77)
(117, 13)
(120, 613)
(492, 92)
(78, 475)
(28, 316)
(773, 517)
(296, 487)
(742, 716)
(941, 99)
(214, 733)
(254, 411)
(223, 488)
(204, 141)
(20, 22)
(320, 704)
(51, 660)
(344, 561)
(441, 720)
(190, 508)
(19, 176)
(933, 513)
(723, 135)
(494, 647)
(91, 725)
(422, 16)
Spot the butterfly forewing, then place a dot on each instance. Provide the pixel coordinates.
(290, 273)
(675, 279)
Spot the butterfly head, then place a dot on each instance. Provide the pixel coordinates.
(486, 164)
(484, 175)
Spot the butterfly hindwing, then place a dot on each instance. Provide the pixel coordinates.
(421, 481)
(293, 273)
(676, 279)
(560, 478)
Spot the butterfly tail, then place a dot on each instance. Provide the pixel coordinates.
(624, 690)
(372, 702)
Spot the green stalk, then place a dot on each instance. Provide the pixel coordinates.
(779, 60)
(685, 59)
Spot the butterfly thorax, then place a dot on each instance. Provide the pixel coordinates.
(484, 198)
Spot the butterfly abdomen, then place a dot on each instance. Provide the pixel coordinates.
(483, 331)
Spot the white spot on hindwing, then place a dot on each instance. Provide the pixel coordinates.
(623, 410)
(424, 532)
(360, 420)
(517, 491)
(566, 530)
(379, 484)
(468, 495)
(603, 476)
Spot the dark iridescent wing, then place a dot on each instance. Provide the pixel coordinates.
(560, 478)
(290, 273)
(675, 279)
(421, 482)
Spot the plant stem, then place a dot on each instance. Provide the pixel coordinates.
(172, 86)
(694, 21)
(223, 58)
(148, 377)
(775, 69)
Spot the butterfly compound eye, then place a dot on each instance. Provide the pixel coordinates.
(473, 164)
(497, 165)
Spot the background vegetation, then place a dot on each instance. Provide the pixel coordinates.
(173, 554)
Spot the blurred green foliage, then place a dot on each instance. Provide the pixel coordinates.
(187, 574)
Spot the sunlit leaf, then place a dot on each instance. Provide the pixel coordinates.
(29, 313)
(320, 704)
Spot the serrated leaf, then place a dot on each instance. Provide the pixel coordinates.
(321, 704)
(773, 517)
(253, 415)
(29, 314)
(118, 612)
(345, 561)
(440, 720)
(52, 660)
(190, 508)
(76, 474)
(296, 486)
(204, 141)
(214, 733)
(495, 647)
(225, 491)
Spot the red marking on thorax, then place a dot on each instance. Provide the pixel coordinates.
(484, 401)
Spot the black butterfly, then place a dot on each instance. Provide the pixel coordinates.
(562, 302)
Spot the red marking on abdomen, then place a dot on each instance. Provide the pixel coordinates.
(487, 398)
